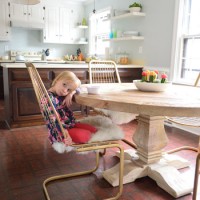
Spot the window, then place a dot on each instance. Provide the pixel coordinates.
(188, 63)
(99, 29)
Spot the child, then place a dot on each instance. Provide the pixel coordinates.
(61, 92)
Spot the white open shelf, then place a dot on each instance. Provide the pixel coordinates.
(83, 27)
(131, 14)
(125, 38)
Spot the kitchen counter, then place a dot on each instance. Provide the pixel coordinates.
(61, 65)
(20, 101)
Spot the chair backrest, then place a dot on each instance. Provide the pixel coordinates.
(46, 106)
(197, 80)
(103, 72)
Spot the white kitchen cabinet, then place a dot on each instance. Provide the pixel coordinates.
(56, 24)
(61, 24)
(27, 13)
(4, 21)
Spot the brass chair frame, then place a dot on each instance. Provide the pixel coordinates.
(41, 92)
(192, 122)
(105, 71)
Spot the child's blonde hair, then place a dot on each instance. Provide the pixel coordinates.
(67, 75)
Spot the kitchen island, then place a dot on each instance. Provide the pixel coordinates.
(20, 102)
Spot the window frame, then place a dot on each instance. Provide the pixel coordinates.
(178, 50)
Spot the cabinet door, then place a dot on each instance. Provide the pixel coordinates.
(18, 12)
(64, 25)
(25, 103)
(51, 30)
(36, 13)
(75, 16)
(4, 21)
(25, 13)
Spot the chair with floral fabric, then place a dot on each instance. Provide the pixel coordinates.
(50, 114)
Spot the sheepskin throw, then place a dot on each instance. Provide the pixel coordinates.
(117, 117)
(107, 130)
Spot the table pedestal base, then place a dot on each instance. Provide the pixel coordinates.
(164, 172)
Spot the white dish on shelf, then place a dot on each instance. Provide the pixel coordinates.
(130, 33)
(151, 87)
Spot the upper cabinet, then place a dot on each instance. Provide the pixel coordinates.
(4, 21)
(27, 15)
(56, 30)
(61, 24)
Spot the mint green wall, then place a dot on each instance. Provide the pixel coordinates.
(156, 27)
(30, 40)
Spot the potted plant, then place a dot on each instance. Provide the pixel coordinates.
(135, 7)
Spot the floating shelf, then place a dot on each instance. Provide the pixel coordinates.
(126, 38)
(80, 42)
(83, 27)
(131, 14)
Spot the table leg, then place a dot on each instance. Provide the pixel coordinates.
(149, 160)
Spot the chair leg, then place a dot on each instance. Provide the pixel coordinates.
(121, 173)
(121, 169)
(53, 178)
(130, 143)
(196, 177)
(102, 153)
(197, 167)
(182, 148)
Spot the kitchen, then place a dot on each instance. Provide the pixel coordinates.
(154, 50)
(25, 39)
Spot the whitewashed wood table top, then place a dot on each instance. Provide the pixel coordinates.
(178, 100)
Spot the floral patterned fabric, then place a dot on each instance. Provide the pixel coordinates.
(66, 117)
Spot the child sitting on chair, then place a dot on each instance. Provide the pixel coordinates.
(61, 92)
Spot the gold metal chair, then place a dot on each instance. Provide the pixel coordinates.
(50, 114)
(106, 71)
(190, 122)
(103, 72)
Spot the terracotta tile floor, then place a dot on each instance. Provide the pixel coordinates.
(26, 159)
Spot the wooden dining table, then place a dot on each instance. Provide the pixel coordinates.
(149, 159)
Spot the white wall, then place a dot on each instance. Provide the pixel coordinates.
(156, 27)
(31, 40)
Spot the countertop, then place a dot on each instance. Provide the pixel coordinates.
(61, 65)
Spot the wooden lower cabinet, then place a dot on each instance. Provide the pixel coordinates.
(21, 105)
(1, 83)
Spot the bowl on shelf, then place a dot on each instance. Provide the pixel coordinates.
(135, 9)
(93, 89)
(130, 33)
(151, 87)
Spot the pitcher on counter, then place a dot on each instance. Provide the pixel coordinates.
(64, 86)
